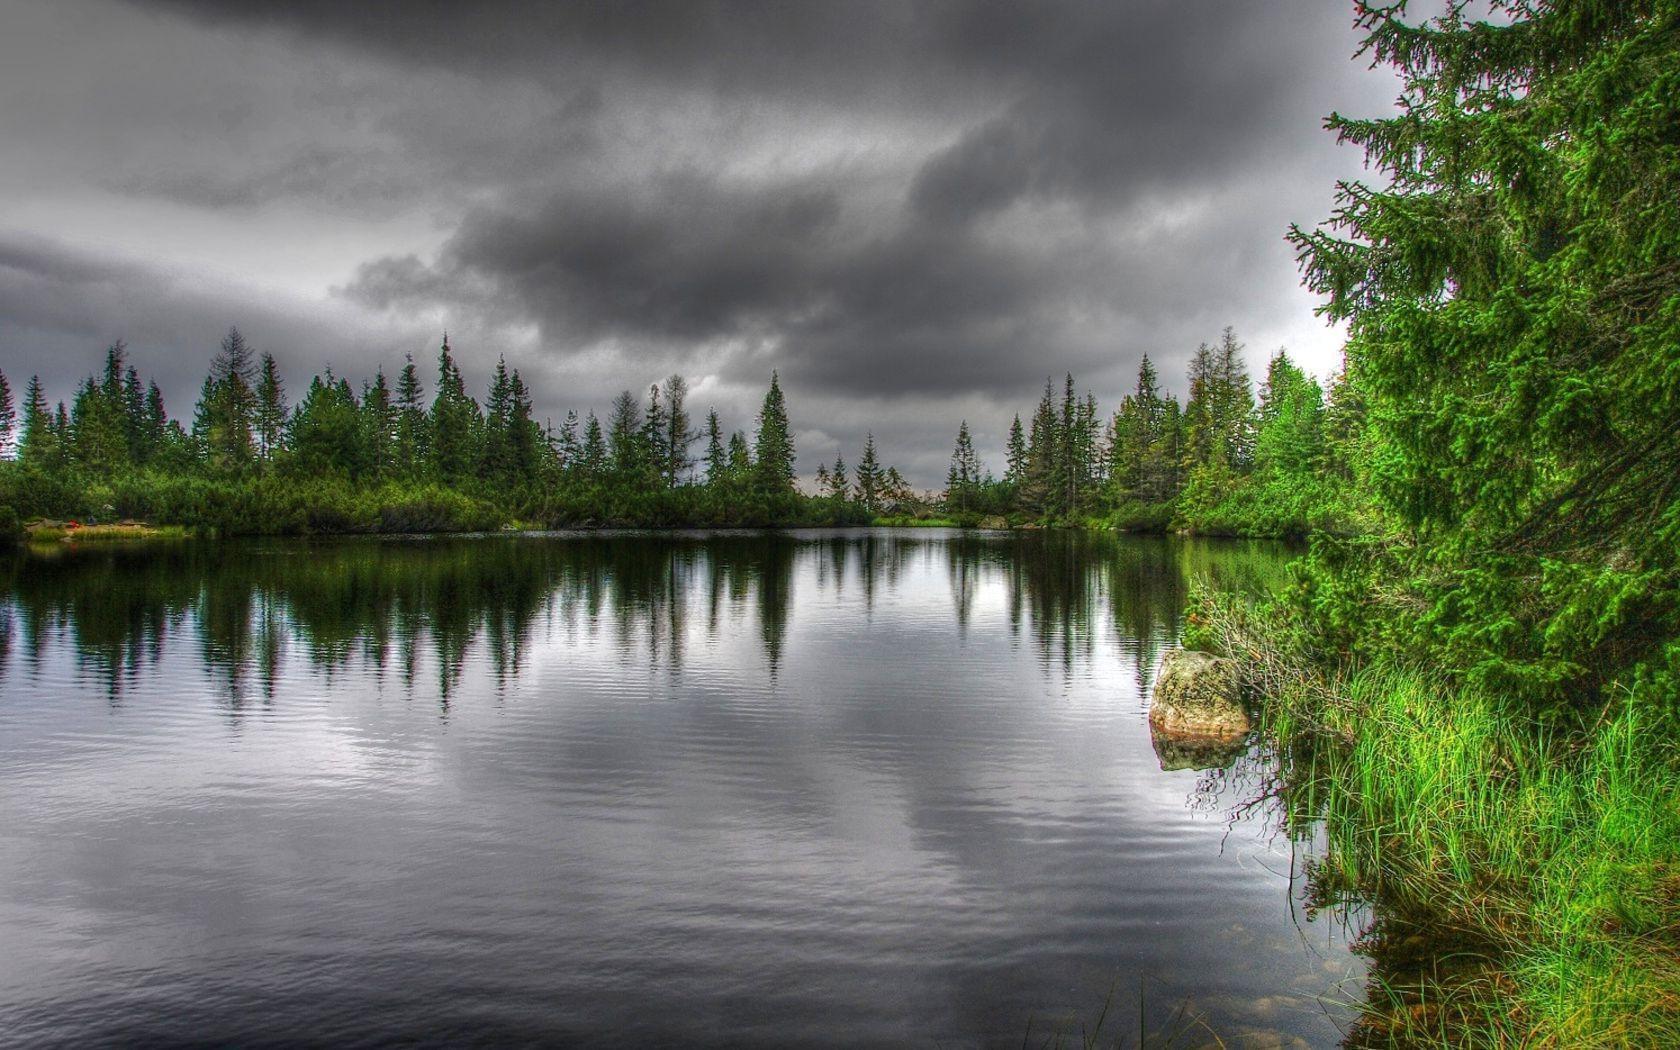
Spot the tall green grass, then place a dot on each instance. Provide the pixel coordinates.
(1555, 853)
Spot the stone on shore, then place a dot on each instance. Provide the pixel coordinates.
(1198, 698)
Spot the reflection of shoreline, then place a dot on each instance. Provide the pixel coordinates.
(246, 601)
(1196, 750)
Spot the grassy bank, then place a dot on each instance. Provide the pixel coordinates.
(1543, 858)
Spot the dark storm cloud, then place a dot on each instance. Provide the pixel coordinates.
(67, 305)
(914, 211)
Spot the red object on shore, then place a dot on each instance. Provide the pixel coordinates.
(74, 525)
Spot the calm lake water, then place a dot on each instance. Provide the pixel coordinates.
(888, 788)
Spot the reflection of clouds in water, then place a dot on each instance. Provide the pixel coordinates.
(827, 787)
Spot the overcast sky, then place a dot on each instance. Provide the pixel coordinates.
(916, 212)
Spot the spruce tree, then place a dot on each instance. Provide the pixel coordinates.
(626, 448)
(871, 481)
(8, 417)
(717, 461)
(773, 453)
(37, 440)
(496, 455)
(1015, 455)
(963, 478)
(594, 448)
(226, 411)
(740, 457)
(1513, 312)
(379, 427)
(455, 427)
(678, 436)
(411, 443)
(567, 448)
(656, 431)
(271, 409)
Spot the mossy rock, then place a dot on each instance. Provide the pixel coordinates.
(1198, 696)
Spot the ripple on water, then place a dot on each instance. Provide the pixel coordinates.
(840, 789)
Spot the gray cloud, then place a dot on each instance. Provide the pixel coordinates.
(914, 211)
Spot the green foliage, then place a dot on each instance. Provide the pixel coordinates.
(380, 462)
(1513, 305)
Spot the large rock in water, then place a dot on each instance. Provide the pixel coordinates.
(1198, 699)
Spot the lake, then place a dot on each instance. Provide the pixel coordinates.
(852, 788)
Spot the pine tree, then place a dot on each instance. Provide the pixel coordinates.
(655, 432)
(134, 417)
(626, 449)
(594, 448)
(839, 486)
(526, 441)
(895, 491)
(271, 411)
(456, 426)
(155, 423)
(226, 410)
(1038, 483)
(870, 479)
(1513, 313)
(8, 417)
(98, 432)
(379, 427)
(1015, 454)
(740, 457)
(410, 450)
(38, 444)
(1234, 404)
(678, 436)
(717, 461)
(773, 454)
(963, 478)
(496, 455)
(567, 448)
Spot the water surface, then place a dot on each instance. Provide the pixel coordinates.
(888, 788)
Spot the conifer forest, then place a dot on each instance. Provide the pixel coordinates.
(867, 753)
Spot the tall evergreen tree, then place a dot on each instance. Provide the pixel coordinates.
(626, 446)
(8, 417)
(962, 481)
(379, 427)
(594, 457)
(328, 435)
(839, 486)
(456, 426)
(1513, 312)
(773, 454)
(1015, 455)
(226, 410)
(496, 462)
(526, 442)
(1039, 479)
(99, 439)
(717, 461)
(272, 410)
(678, 436)
(655, 432)
(740, 457)
(410, 449)
(871, 481)
(38, 444)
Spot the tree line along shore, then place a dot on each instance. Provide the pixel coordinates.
(384, 457)
(1471, 678)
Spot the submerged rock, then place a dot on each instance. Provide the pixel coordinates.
(1197, 699)
(1190, 751)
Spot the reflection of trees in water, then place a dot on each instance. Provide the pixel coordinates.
(395, 605)
(383, 603)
